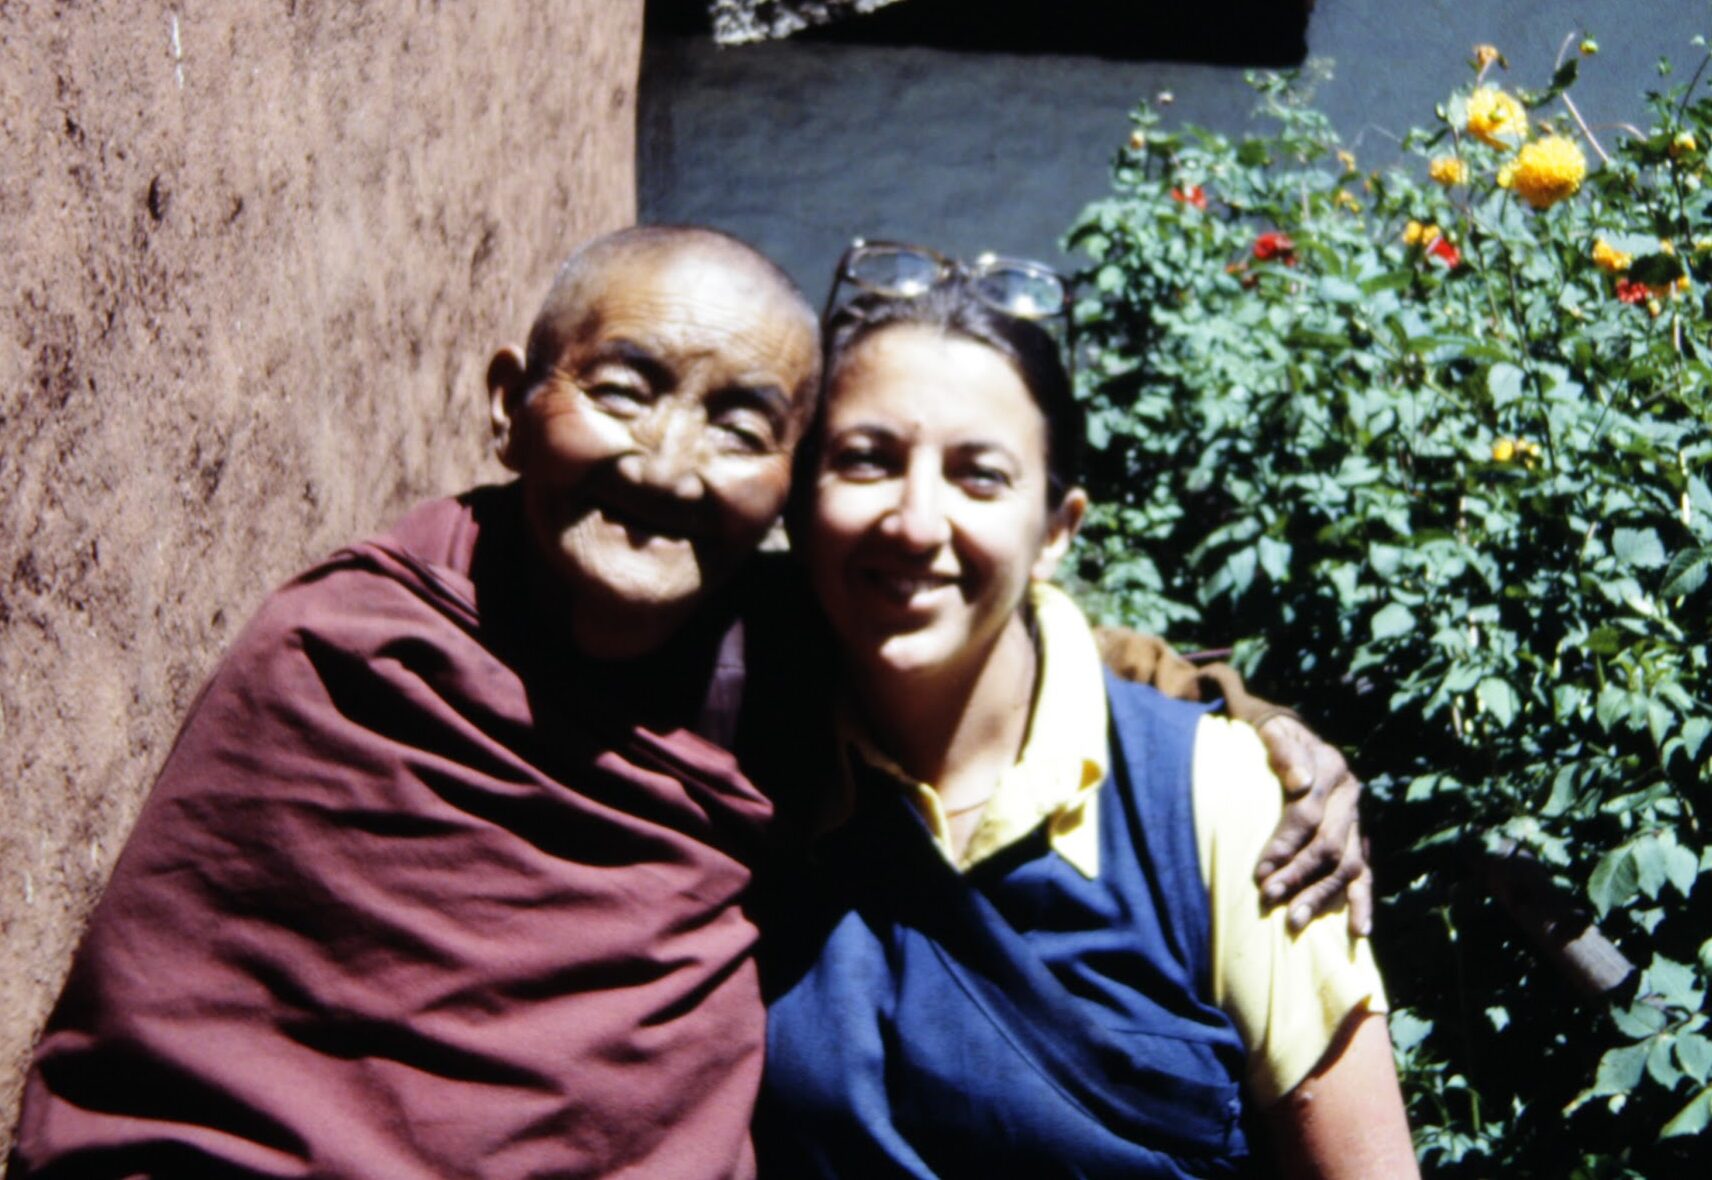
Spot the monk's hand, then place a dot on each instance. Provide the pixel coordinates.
(1316, 857)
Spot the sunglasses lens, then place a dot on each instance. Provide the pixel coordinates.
(894, 270)
(1022, 291)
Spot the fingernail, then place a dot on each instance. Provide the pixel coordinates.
(1274, 891)
(1266, 869)
(1299, 916)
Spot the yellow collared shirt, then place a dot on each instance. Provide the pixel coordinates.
(1288, 996)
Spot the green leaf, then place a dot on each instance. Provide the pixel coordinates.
(1274, 558)
(1614, 881)
(1694, 1054)
(1694, 733)
(1393, 619)
(1672, 982)
(1638, 547)
(1500, 700)
(1620, 1070)
(1649, 855)
(1336, 290)
(1614, 705)
(1681, 867)
(1686, 573)
(1408, 1029)
(1639, 1020)
(1661, 1067)
(1504, 383)
(1692, 1118)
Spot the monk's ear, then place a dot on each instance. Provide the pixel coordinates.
(1061, 528)
(506, 376)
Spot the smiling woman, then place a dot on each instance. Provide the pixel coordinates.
(1031, 943)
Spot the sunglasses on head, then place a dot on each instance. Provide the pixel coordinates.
(896, 270)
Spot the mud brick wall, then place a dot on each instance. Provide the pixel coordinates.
(256, 255)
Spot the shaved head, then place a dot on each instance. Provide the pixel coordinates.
(652, 422)
(573, 303)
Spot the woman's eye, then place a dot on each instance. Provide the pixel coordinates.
(983, 481)
(858, 463)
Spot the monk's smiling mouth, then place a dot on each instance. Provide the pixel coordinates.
(643, 526)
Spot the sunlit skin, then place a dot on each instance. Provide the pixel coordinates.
(655, 450)
(929, 520)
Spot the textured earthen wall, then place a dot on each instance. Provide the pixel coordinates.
(256, 254)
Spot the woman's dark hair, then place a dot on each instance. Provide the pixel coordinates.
(952, 307)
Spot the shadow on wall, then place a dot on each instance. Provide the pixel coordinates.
(256, 259)
(1231, 32)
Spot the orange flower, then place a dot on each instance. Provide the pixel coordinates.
(1273, 244)
(1448, 170)
(1496, 118)
(1548, 170)
(1444, 251)
(1196, 196)
(1608, 258)
(1630, 291)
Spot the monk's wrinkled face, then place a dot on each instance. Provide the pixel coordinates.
(655, 452)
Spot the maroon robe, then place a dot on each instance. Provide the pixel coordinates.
(420, 894)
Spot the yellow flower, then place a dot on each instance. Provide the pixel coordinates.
(1523, 449)
(1448, 170)
(1507, 175)
(1496, 118)
(1485, 55)
(1589, 47)
(1549, 170)
(1137, 140)
(1347, 159)
(1416, 234)
(1666, 246)
(1608, 258)
(1684, 284)
(1683, 144)
(1343, 200)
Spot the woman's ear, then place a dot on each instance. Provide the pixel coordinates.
(505, 389)
(1061, 529)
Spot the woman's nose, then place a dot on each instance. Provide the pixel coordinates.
(919, 519)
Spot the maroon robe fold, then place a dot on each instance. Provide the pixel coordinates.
(417, 895)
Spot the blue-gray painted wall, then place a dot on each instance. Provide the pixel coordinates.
(798, 147)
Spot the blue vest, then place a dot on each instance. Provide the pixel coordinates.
(1017, 1020)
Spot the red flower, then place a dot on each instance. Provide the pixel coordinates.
(1445, 252)
(1196, 196)
(1273, 244)
(1630, 291)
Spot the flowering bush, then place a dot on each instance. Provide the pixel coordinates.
(1430, 444)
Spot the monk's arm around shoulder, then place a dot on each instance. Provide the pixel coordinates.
(1309, 1004)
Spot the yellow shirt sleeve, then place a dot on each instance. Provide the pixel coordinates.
(1289, 996)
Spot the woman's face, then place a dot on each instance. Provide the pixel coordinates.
(930, 507)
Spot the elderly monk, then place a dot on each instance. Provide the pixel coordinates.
(446, 872)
